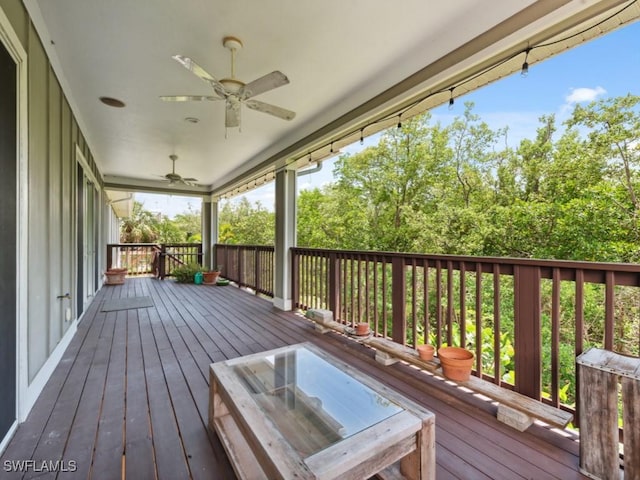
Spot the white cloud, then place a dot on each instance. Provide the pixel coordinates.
(584, 94)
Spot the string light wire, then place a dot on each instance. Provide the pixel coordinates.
(450, 89)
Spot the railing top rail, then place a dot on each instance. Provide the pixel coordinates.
(154, 244)
(184, 244)
(515, 261)
(237, 245)
(133, 244)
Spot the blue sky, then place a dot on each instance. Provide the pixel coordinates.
(608, 66)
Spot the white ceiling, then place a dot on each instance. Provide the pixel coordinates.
(337, 54)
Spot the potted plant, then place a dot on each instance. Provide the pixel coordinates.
(456, 363)
(115, 276)
(425, 352)
(362, 328)
(186, 273)
(211, 277)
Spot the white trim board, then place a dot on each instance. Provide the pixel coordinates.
(10, 40)
(43, 375)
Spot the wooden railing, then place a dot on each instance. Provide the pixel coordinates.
(530, 314)
(137, 258)
(159, 260)
(526, 320)
(173, 255)
(250, 266)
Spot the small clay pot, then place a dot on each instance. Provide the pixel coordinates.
(425, 352)
(210, 278)
(362, 328)
(456, 363)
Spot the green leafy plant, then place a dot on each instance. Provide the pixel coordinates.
(185, 273)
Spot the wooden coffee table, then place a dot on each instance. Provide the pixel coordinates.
(297, 412)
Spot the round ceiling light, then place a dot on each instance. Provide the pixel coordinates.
(112, 102)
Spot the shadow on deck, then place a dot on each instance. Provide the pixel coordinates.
(130, 396)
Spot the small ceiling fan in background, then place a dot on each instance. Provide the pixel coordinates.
(173, 178)
(234, 91)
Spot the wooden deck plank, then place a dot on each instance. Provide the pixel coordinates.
(108, 455)
(153, 363)
(54, 437)
(81, 441)
(200, 453)
(138, 453)
(167, 446)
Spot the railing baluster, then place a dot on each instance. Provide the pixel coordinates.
(366, 292)
(438, 303)
(479, 319)
(449, 303)
(376, 319)
(463, 305)
(425, 299)
(295, 280)
(351, 293)
(414, 303)
(609, 308)
(399, 324)
(384, 297)
(555, 335)
(359, 290)
(496, 324)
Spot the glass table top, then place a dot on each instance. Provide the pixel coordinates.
(313, 403)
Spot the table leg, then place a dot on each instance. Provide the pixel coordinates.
(421, 464)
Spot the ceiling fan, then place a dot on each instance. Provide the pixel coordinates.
(173, 178)
(234, 91)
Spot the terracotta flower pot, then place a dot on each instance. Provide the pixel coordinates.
(362, 328)
(425, 352)
(456, 363)
(210, 278)
(115, 276)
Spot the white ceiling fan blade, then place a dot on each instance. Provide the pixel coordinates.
(232, 113)
(200, 72)
(264, 84)
(190, 179)
(189, 98)
(279, 112)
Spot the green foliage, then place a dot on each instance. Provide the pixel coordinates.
(246, 224)
(185, 273)
(461, 189)
(140, 227)
(568, 193)
(144, 226)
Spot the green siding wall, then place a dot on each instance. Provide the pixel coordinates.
(53, 136)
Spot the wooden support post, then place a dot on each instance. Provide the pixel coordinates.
(162, 259)
(599, 372)
(285, 237)
(598, 424)
(527, 330)
(631, 422)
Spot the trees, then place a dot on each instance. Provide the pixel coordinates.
(143, 226)
(140, 227)
(244, 223)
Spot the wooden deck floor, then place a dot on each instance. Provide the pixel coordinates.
(130, 396)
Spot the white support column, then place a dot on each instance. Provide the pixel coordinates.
(285, 237)
(209, 231)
